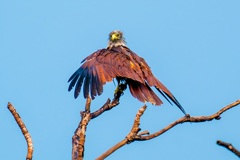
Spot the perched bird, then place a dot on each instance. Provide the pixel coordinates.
(119, 62)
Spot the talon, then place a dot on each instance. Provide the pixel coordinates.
(120, 88)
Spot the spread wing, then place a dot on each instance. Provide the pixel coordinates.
(153, 81)
(106, 64)
(101, 67)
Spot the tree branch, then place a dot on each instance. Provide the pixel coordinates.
(78, 139)
(188, 118)
(135, 136)
(229, 146)
(129, 138)
(24, 130)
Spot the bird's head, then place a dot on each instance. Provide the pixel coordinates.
(116, 39)
(115, 36)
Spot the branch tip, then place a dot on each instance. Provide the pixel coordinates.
(24, 130)
(229, 146)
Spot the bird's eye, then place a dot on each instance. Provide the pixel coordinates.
(117, 35)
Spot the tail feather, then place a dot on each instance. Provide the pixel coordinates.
(172, 98)
(136, 92)
(143, 92)
(164, 92)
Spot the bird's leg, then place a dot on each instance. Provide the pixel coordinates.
(120, 88)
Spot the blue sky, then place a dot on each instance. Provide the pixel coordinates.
(191, 46)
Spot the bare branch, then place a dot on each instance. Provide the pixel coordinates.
(113, 149)
(135, 136)
(78, 139)
(188, 118)
(229, 146)
(24, 130)
(129, 138)
(107, 106)
(110, 104)
(135, 128)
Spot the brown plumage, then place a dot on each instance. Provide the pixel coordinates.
(118, 61)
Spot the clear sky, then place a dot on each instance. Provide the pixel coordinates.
(193, 47)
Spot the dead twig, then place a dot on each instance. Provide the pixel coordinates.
(135, 136)
(24, 130)
(229, 146)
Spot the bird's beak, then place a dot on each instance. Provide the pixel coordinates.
(114, 37)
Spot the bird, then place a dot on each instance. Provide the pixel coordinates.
(117, 61)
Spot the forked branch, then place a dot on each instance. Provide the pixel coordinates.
(129, 138)
(188, 118)
(142, 136)
(78, 139)
(24, 130)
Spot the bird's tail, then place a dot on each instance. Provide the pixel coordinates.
(143, 92)
(168, 96)
(153, 81)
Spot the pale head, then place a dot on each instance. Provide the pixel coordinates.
(116, 39)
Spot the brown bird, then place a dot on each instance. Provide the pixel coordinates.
(118, 61)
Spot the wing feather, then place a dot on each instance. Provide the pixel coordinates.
(74, 78)
(98, 83)
(79, 84)
(103, 66)
(153, 81)
(106, 64)
(87, 81)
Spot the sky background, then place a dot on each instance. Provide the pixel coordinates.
(193, 47)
